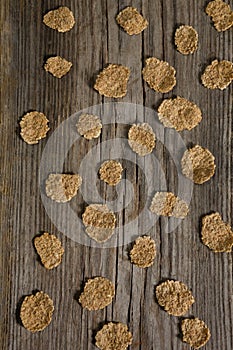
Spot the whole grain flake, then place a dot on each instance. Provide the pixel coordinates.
(98, 293)
(186, 39)
(131, 21)
(49, 249)
(167, 204)
(57, 66)
(62, 187)
(143, 252)
(113, 336)
(89, 126)
(141, 138)
(111, 172)
(61, 19)
(221, 13)
(195, 332)
(33, 127)
(218, 75)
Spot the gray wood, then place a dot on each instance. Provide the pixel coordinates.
(95, 41)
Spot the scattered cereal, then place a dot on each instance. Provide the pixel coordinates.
(195, 332)
(186, 39)
(198, 164)
(167, 204)
(110, 172)
(113, 336)
(221, 13)
(98, 293)
(99, 222)
(141, 138)
(159, 75)
(49, 249)
(112, 81)
(57, 66)
(61, 19)
(131, 21)
(143, 252)
(33, 127)
(216, 233)
(218, 75)
(89, 126)
(179, 113)
(36, 312)
(62, 187)
(175, 297)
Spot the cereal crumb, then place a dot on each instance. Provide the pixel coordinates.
(216, 234)
(33, 127)
(99, 222)
(57, 66)
(143, 252)
(98, 293)
(131, 21)
(175, 297)
(186, 39)
(198, 164)
(218, 75)
(36, 312)
(113, 336)
(112, 81)
(49, 249)
(221, 14)
(195, 332)
(61, 19)
(141, 138)
(89, 126)
(62, 187)
(111, 172)
(167, 204)
(159, 75)
(179, 113)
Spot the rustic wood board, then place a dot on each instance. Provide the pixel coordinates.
(95, 41)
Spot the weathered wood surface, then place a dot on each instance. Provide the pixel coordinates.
(95, 41)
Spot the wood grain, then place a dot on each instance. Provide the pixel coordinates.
(95, 41)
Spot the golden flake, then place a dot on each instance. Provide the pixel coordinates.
(89, 126)
(57, 66)
(111, 172)
(141, 138)
(143, 252)
(33, 127)
(131, 21)
(62, 187)
(61, 19)
(221, 13)
(113, 336)
(49, 249)
(195, 332)
(186, 39)
(167, 204)
(218, 75)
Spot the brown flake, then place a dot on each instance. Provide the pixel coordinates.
(112, 81)
(57, 66)
(198, 164)
(175, 297)
(221, 13)
(36, 312)
(98, 293)
(216, 233)
(143, 252)
(179, 113)
(218, 75)
(131, 21)
(113, 336)
(99, 222)
(62, 187)
(141, 138)
(159, 75)
(49, 249)
(167, 204)
(61, 19)
(186, 39)
(33, 127)
(89, 126)
(195, 332)
(110, 172)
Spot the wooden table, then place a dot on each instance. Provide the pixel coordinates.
(95, 41)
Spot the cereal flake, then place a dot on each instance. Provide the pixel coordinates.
(131, 21)
(143, 252)
(141, 138)
(186, 39)
(195, 332)
(89, 126)
(216, 234)
(159, 75)
(112, 81)
(61, 19)
(62, 187)
(179, 113)
(218, 75)
(167, 204)
(98, 293)
(198, 164)
(33, 127)
(113, 336)
(57, 66)
(36, 312)
(221, 13)
(111, 172)
(175, 297)
(49, 249)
